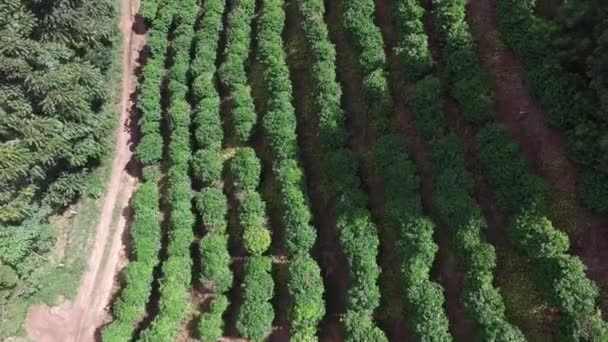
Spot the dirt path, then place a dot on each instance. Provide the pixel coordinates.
(544, 147)
(77, 320)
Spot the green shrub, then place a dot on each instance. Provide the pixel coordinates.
(207, 165)
(256, 240)
(256, 314)
(213, 207)
(211, 325)
(215, 271)
(246, 169)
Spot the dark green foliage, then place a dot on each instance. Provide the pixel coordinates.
(453, 194)
(521, 195)
(415, 244)
(232, 71)
(425, 101)
(211, 326)
(468, 81)
(366, 38)
(55, 125)
(594, 189)
(359, 240)
(256, 313)
(402, 203)
(569, 103)
(412, 46)
(327, 90)
(246, 169)
(207, 165)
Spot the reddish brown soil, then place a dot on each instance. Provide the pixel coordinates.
(543, 146)
(446, 269)
(77, 320)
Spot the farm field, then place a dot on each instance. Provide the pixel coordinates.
(304, 170)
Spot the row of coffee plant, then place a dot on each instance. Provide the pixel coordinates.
(304, 282)
(523, 196)
(453, 185)
(144, 231)
(174, 299)
(207, 166)
(357, 232)
(424, 298)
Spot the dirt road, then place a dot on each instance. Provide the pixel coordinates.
(77, 320)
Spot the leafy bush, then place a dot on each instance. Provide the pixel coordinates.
(256, 314)
(256, 240)
(246, 169)
(211, 326)
(215, 271)
(207, 165)
(213, 206)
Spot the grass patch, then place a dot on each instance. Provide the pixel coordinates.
(524, 303)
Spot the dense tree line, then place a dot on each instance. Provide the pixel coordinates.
(207, 166)
(568, 101)
(173, 303)
(423, 297)
(55, 126)
(304, 282)
(523, 196)
(58, 65)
